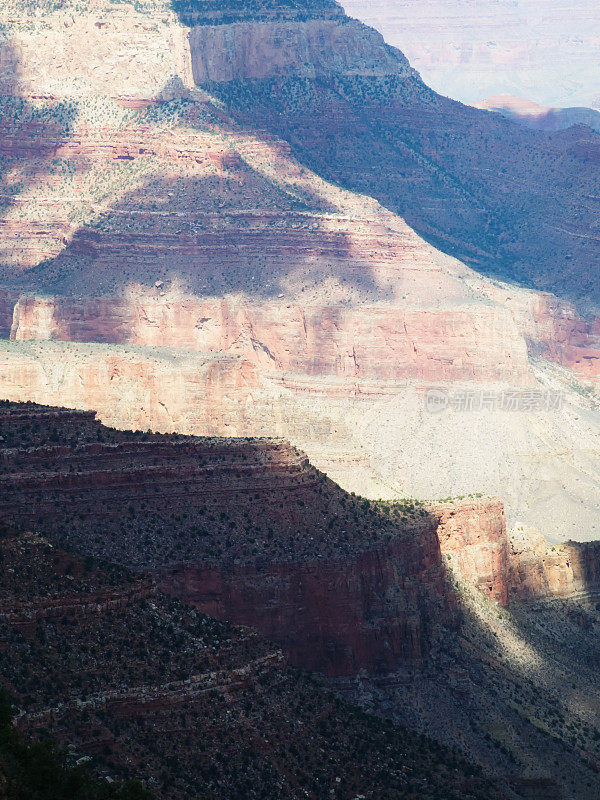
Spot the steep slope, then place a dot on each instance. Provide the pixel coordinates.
(496, 195)
(502, 198)
(376, 437)
(194, 706)
(404, 607)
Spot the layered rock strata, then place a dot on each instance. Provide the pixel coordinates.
(248, 531)
(244, 529)
(369, 612)
(152, 688)
(516, 566)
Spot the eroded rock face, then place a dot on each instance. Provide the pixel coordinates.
(137, 390)
(515, 566)
(373, 343)
(266, 541)
(258, 50)
(373, 435)
(540, 570)
(133, 53)
(553, 329)
(279, 297)
(143, 684)
(370, 612)
(472, 534)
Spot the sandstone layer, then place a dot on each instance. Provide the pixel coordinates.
(513, 567)
(402, 605)
(372, 436)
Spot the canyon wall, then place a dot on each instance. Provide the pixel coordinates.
(367, 426)
(249, 532)
(139, 389)
(343, 586)
(516, 566)
(373, 343)
(116, 50)
(371, 612)
(257, 50)
(136, 682)
(472, 535)
(540, 570)
(228, 272)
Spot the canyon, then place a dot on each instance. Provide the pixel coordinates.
(362, 586)
(395, 602)
(261, 287)
(176, 261)
(469, 50)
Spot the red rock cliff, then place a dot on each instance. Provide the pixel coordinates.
(511, 567)
(472, 534)
(370, 612)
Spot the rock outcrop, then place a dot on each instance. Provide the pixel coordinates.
(472, 534)
(538, 569)
(245, 529)
(264, 540)
(514, 566)
(259, 50)
(370, 612)
(368, 343)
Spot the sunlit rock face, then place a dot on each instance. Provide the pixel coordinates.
(512, 566)
(249, 50)
(545, 51)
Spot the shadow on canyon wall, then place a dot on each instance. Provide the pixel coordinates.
(390, 637)
(171, 231)
(514, 204)
(30, 135)
(248, 532)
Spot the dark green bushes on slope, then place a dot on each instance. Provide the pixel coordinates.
(41, 771)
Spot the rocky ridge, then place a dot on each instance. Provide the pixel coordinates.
(396, 602)
(248, 531)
